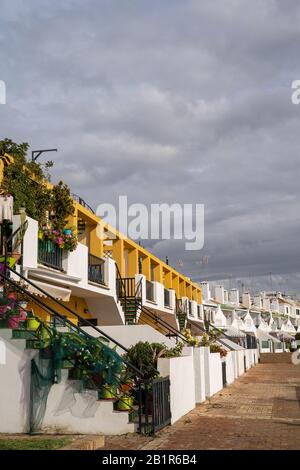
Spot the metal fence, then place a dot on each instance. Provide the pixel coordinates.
(50, 254)
(96, 270)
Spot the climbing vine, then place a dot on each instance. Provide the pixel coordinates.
(28, 182)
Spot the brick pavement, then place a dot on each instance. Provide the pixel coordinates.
(261, 410)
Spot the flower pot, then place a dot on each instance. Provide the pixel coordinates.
(125, 403)
(32, 324)
(126, 387)
(107, 393)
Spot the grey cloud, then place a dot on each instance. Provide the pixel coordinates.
(168, 102)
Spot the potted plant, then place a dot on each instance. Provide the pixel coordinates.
(125, 402)
(32, 322)
(76, 373)
(107, 392)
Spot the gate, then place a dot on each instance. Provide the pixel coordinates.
(161, 403)
(156, 405)
(224, 378)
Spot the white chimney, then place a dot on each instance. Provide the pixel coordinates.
(274, 305)
(257, 301)
(219, 294)
(266, 304)
(225, 296)
(246, 299)
(205, 290)
(234, 297)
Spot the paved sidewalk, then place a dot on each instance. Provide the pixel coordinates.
(261, 410)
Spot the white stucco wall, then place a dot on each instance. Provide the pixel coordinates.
(240, 362)
(213, 373)
(182, 384)
(30, 244)
(14, 385)
(128, 335)
(70, 410)
(230, 367)
(199, 370)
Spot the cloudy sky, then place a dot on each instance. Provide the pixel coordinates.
(184, 101)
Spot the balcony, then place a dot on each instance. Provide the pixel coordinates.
(50, 254)
(167, 298)
(96, 270)
(150, 291)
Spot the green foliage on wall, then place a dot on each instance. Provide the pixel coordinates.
(26, 181)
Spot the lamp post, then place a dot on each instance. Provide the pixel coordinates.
(36, 153)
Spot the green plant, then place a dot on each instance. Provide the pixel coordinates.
(144, 356)
(192, 340)
(27, 182)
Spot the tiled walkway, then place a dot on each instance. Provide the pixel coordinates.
(261, 410)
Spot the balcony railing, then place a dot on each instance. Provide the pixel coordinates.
(96, 270)
(150, 291)
(167, 298)
(50, 254)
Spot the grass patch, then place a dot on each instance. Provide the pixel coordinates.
(35, 443)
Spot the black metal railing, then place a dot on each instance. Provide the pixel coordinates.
(199, 312)
(167, 298)
(96, 270)
(125, 287)
(161, 410)
(82, 202)
(224, 378)
(149, 291)
(50, 254)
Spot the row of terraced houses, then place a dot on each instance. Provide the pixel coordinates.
(96, 302)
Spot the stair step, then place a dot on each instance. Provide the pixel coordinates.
(23, 334)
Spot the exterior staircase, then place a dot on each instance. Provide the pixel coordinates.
(130, 297)
(63, 414)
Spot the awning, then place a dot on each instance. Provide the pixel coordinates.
(264, 336)
(232, 345)
(59, 293)
(283, 336)
(233, 332)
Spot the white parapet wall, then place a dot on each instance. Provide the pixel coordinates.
(213, 373)
(180, 370)
(230, 361)
(15, 372)
(240, 362)
(199, 369)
